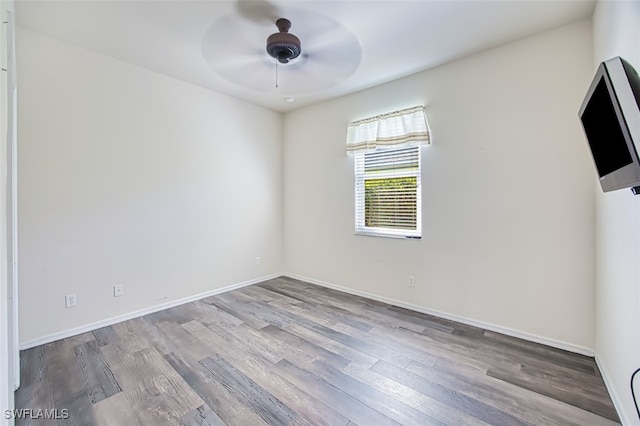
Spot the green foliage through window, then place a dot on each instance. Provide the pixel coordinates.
(387, 184)
(390, 202)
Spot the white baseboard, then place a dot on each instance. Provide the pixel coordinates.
(135, 314)
(487, 326)
(615, 398)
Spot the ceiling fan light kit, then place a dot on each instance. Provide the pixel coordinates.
(283, 45)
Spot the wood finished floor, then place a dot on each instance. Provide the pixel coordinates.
(288, 352)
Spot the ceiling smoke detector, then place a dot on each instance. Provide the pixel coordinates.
(282, 45)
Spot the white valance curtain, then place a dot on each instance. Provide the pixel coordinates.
(406, 127)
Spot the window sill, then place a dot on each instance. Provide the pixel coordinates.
(385, 235)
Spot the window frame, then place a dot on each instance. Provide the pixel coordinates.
(360, 177)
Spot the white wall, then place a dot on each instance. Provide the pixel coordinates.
(508, 207)
(616, 32)
(128, 176)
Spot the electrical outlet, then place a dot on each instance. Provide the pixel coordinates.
(412, 281)
(257, 260)
(118, 290)
(70, 300)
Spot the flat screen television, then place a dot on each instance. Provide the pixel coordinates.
(610, 116)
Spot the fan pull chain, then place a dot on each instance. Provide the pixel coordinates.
(276, 74)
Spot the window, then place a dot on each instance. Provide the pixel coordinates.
(387, 165)
(388, 192)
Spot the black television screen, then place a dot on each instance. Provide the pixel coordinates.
(610, 115)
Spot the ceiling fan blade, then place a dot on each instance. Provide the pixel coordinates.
(258, 11)
(235, 48)
(234, 63)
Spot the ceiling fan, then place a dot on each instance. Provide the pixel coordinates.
(248, 53)
(283, 45)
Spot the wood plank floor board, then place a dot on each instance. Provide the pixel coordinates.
(449, 345)
(215, 395)
(470, 381)
(362, 309)
(533, 407)
(129, 338)
(179, 339)
(220, 317)
(221, 339)
(323, 316)
(533, 367)
(62, 372)
(560, 377)
(144, 328)
(379, 317)
(328, 296)
(288, 315)
(237, 341)
(81, 338)
(151, 385)
(115, 410)
(571, 360)
(426, 321)
(331, 345)
(272, 316)
(98, 378)
(35, 391)
(288, 352)
(258, 368)
(365, 345)
(450, 326)
(332, 396)
(300, 312)
(421, 402)
(277, 348)
(256, 293)
(382, 339)
(298, 343)
(80, 410)
(208, 314)
(238, 310)
(407, 338)
(534, 354)
(202, 416)
(292, 291)
(371, 396)
(268, 407)
(448, 395)
(33, 365)
(574, 397)
(177, 314)
(269, 295)
(360, 344)
(338, 314)
(306, 293)
(105, 335)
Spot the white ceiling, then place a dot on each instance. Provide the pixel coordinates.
(396, 38)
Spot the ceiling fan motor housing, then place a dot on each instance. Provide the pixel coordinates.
(283, 46)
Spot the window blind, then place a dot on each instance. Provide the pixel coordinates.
(388, 201)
